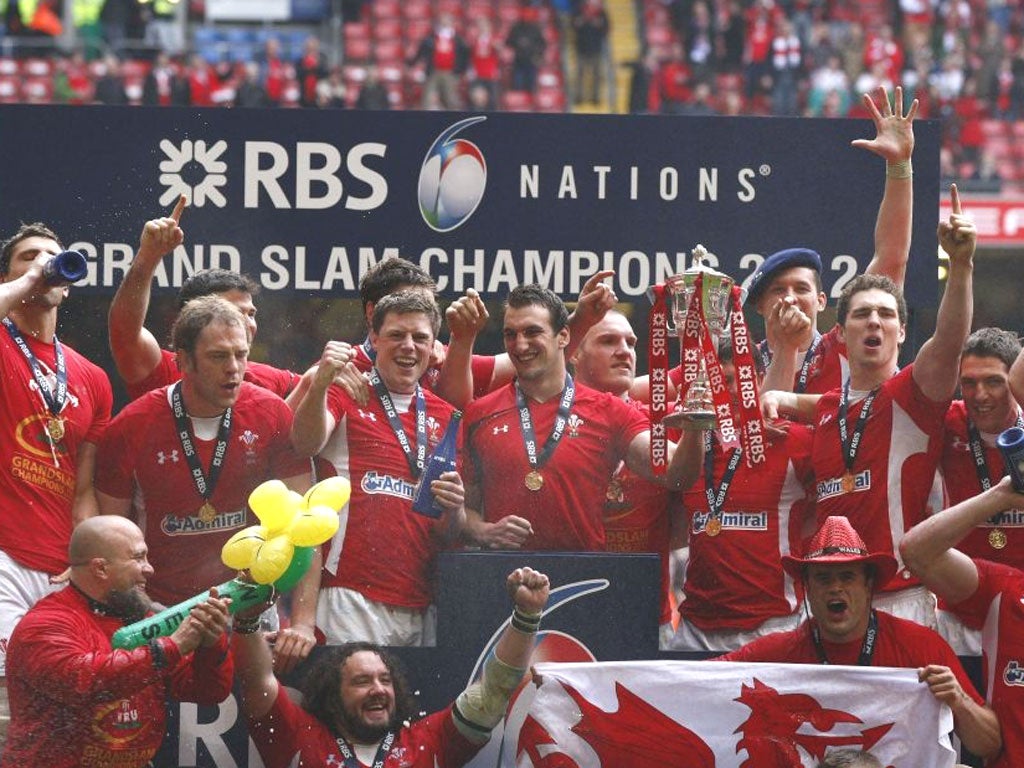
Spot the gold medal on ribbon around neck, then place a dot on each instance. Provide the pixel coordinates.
(207, 513)
(847, 482)
(997, 538)
(55, 428)
(534, 480)
(713, 527)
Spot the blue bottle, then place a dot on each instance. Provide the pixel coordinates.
(1011, 443)
(440, 461)
(65, 268)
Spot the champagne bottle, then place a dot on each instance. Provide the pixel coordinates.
(1011, 443)
(440, 461)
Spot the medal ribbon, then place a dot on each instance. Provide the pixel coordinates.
(800, 385)
(57, 399)
(657, 359)
(378, 760)
(867, 648)
(752, 434)
(561, 419)
(850, 444)
(417, 462)
(978, 452)
(716, 496)
(205, 485)
(371, 353)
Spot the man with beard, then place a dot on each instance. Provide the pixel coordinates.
(75, 701)
(356, 705)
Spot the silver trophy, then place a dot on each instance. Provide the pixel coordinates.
(698, 410)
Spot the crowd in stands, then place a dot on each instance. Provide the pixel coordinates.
(962, 59)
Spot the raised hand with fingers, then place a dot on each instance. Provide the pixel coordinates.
(958, 235)
(894, 137)
(466, 316)
(162, 235)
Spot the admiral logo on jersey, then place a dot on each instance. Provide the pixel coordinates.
(188, 525)
(833, 486)
(736, 521)
(374, 482)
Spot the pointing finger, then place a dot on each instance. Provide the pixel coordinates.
(954, 196)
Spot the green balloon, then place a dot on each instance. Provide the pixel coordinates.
(296, 569)
(243, 595)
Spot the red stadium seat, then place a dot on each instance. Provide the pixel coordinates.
(386, 9)
(387, 29)
(37, 90)
(549, 100)
(10, 93)
(389, 51)
(417, 29)
(37, 67)
(8, 67)
(417, 9)
(517, 101)
(358, 49)
(995, 127)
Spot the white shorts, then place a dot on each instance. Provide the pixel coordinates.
(346, 616)
(690, 637)
(915, 604)
(20, 589)
(962, 639)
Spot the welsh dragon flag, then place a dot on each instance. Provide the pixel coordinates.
(722, 715)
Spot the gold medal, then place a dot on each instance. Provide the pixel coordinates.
(207, 513)
(713, 527)
(534, 480)
(997, 538)
(614, 492)
(55, 428)
(847, 482)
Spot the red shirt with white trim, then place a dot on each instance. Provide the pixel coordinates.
(567, 512)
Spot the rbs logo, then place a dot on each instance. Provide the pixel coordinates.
(452, 179)
(312, 175)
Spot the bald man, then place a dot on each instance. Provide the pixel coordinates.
(76, 701)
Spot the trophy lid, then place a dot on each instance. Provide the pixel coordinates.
(697, 266)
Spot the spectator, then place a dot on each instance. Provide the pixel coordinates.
(274, 72)
(758, 47)
(733, 37)
(163, 85)
(72, 82)
(372, 93)
(331, 92)
(446, 56)
(201, 82)
(249, 92)
(527, 43)
(787, 69)
(485, 62)
(673, 83)
(163, 30)
(701, 42)
(828, 79)
(110, 85)
(590, 24)
(311, 69)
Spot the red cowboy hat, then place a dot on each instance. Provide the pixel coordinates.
(836, 542)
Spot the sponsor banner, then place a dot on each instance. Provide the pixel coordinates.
(999, 222)
(306, 201)
(727, 715)
(248, 10)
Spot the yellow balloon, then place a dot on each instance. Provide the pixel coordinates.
(313, 526)
(330, 492)
(272, 559)
(239, 551)
(267, 500)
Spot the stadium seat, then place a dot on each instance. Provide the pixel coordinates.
(37, 90)
(387, 29)
(37, 67)
(516, 101)
(10, 93)
(549, 100)
(417, 9)
(8, 67)
(358, 49)
(386, 9)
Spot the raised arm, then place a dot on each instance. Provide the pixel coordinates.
(313, 422)
(929, 550)
(135, 350)
(482, 706)
(85, 504)
(595, 299)
(937, 366)
(466, 317)
(894, 142)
